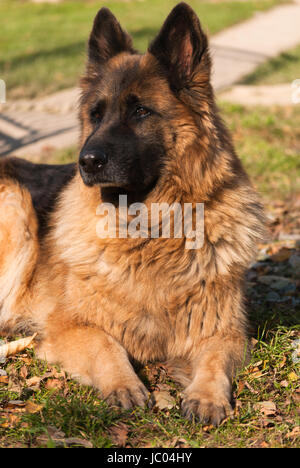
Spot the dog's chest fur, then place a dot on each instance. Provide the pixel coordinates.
(154, 296)
(141, 304)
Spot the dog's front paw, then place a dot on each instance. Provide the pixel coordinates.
(128, 397)
(205, 408)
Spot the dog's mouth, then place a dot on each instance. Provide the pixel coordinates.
(112, 191)
(113, 187)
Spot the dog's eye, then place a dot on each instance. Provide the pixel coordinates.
(142, 112)
(96, 114)
(96, 117)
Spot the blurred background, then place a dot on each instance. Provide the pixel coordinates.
(255, 46)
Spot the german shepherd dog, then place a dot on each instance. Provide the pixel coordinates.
(150, 129)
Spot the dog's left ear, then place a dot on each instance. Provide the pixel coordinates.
(180, 45)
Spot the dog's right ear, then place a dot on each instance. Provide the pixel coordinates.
(107, 38)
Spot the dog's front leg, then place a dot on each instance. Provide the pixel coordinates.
(95, 358)
(216, 358)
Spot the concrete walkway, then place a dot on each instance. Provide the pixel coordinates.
(29, 127)
(240, 49)
(250, 95)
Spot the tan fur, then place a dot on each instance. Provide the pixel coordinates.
(99, 303)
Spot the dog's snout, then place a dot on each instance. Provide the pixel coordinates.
(92, 161)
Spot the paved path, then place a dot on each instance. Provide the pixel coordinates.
(28, 127)
(248, 95)
(240, 49)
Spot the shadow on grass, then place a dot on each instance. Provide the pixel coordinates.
(143, 36)
(19, 61)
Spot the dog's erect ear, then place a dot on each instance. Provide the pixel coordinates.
(180, 44)
(107, 38)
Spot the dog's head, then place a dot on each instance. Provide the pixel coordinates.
(136, 110)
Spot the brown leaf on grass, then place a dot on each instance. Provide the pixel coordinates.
(52, 375)
(267, 408)
(75, 441)
(255, 392)
(282, 364)
(293, 434)
(58, 437)
(33, 381)
(176, 442)
(14, 385)
(4, 379)
(267, 423)
(14, 347)
(23, 372)
(54, 384)
(119, 434)
(253, 343)
(32, 407)
(55, 373)
(283, 255)
(284, 383)
(12, 404)
(10, 421)
(264, 444)
(163, 400)
(240, 388)
(208, 428)
(182, 443)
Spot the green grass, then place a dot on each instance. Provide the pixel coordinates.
(267, 140)
(42, 46)
(77, 411)
(283, 69)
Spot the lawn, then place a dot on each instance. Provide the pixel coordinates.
(282, 69)
(40, 406)
(268, 142)
(42, 46)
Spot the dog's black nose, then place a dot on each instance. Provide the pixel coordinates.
(92, 162)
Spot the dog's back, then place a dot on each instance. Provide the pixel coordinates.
(44, 182)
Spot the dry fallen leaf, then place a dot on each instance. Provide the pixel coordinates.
(284, 383)
(33, 381)
(15, 404)
(4, 379)
(23, 372)
(281, 256)
(293, 434)
(61, 442)
(11, 421)
(53, 384)
(15, 347)
(163, 400)
(267, 408)
(32, 407)
(119, 434)
(264, 445)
